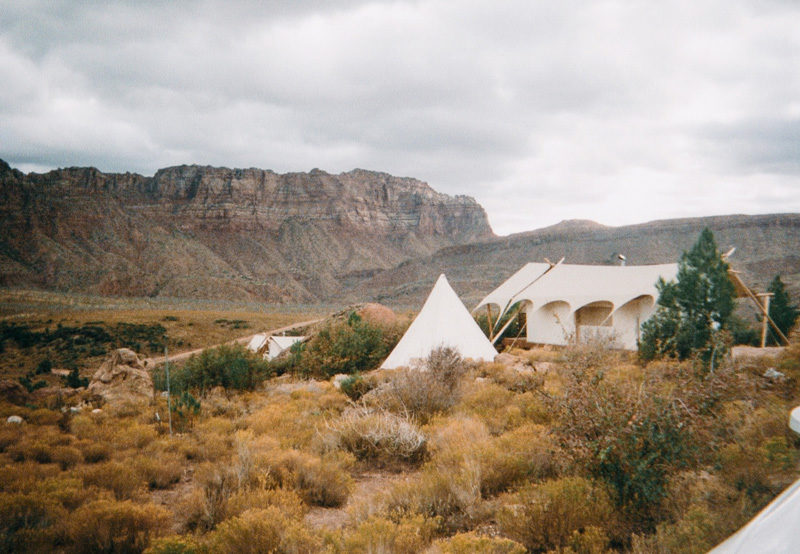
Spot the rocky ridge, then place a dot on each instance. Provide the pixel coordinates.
(206, 232)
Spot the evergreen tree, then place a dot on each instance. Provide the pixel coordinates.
(781, 311)
(692, 308)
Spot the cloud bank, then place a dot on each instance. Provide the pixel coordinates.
(615, 111)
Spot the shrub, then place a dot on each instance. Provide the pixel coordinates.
(546, 516)
(377, 435)
(469, 543)
(113, 526)
(404, 536)
(264, 530)
(527, 452)
(175, 545)
(355, 386)
(161, 470)
(119, 478)
(94, 452)
(44, 367)
(430, 388)
(318, 482)
(28, 522)
(66, 456)
(228, 366)
(345, 347)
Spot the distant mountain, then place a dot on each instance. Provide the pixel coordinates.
(766, 245)
(205, 232)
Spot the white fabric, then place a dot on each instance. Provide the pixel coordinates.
(579, 285)
(279, 344)
(794, 420)
(257, 342)
(515, 285)
(442, 321)
(773, 531)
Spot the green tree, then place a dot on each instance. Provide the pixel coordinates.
(692, 308)
(781, 310)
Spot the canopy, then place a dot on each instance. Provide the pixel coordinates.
(442, 321)
(579, 285)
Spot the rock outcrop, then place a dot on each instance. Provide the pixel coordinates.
(122, 377)
(206, 232)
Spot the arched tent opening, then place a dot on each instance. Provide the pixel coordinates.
(629, 317)
(594, 320)
(550, 323)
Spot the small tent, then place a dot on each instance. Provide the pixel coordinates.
(277, 345)
(257, 342)
(442, 321)
(775, 527)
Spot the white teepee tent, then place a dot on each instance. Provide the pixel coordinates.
(774, 529)
(443, 321)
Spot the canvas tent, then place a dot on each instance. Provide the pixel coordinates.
(442, 321)
(562, 301)
(257, 342)
(277, 345)
(774, 529)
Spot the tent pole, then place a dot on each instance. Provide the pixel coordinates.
(752, 297)
(489, 320)
(764, 324)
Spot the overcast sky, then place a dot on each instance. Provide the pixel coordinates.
(617, 111)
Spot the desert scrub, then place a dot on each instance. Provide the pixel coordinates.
(29, 522)
(472, 543)
(375, 435)
(262, 530)
(318, 481)
(159, 470)
(408, 535)
(556, 514)
(113, 526)
(119, 478)
(430, 388)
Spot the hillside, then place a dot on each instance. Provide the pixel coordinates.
(765, 245)
(204, 232)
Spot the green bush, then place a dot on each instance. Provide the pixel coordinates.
(228, 366)
(345, 347)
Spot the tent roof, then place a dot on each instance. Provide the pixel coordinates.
(257, 342)
(579, 285)
(285, 342)
(442, 321)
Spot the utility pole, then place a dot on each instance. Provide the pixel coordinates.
(169, 395)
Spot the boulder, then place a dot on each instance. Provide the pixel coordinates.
(13, 392)
(122, 377)
(14, 419)
(514, 362)
(378, 315)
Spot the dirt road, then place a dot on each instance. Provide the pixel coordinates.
(180, 356)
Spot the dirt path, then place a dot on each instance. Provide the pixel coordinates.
(368, 486)
(151, 362)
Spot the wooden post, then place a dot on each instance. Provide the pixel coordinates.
(169, 395)
(764, 297)
(489, 320)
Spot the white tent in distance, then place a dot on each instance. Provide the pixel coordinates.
(443, 321)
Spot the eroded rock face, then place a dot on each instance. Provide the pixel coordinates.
(207, 232)
(122, 377)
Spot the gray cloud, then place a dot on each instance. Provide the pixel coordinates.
(613, 111)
